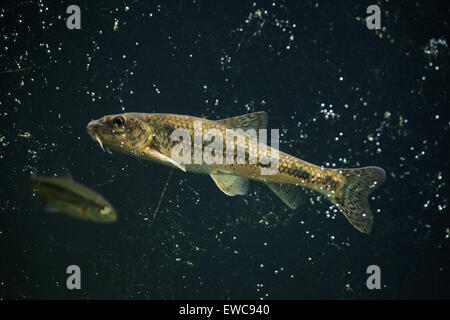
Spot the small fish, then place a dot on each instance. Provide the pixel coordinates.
(63, 194)
(149, 136)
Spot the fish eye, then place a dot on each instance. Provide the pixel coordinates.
(119, 121)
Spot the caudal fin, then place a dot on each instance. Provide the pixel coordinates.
(352, 197)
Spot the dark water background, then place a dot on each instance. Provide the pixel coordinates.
(318, 71)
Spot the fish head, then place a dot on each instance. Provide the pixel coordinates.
(124, 133)
(103, 213)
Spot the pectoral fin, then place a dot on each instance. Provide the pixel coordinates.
(289, 193)
(231, 185)
(162, 158)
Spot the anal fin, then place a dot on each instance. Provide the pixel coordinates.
(289, 193)
(231, 185)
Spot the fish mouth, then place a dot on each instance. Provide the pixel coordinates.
(91, 130)
(99, 142)
(108, 214)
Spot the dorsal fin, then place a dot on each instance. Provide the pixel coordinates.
(255, 120)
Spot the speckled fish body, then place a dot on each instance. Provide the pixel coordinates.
(150, 136)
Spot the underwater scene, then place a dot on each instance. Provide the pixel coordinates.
(119, 179)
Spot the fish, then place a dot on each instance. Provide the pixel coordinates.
(150, 136)
(63, 194)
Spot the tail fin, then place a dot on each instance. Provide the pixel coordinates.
(352, 196)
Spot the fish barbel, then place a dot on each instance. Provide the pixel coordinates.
(150, 136)
(63, 194)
